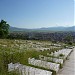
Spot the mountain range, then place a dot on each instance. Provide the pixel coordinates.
(72, 28)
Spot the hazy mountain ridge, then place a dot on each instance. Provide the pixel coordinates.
(72, 28)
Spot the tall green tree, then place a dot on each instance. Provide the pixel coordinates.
(4, 29)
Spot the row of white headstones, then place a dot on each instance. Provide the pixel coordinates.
(44, 64)
(27, 70)
(50, 65)
(53, 59)
(65, 52)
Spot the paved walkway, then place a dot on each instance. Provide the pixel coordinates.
(69, 66)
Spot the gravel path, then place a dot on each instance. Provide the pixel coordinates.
(69, 66)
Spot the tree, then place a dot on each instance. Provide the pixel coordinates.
(69, 39)
(4, 29)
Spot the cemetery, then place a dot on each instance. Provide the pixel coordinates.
(26, 57)
(52, 67)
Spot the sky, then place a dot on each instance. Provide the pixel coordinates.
(37, 13)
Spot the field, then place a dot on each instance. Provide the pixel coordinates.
(20, 50)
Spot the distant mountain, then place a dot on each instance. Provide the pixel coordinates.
(60, 28)
(44, 29)
(17, 29)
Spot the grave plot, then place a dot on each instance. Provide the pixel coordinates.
(52, 59)
(44, 64)
(42, 49)
(27, 70)
(62, 54)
